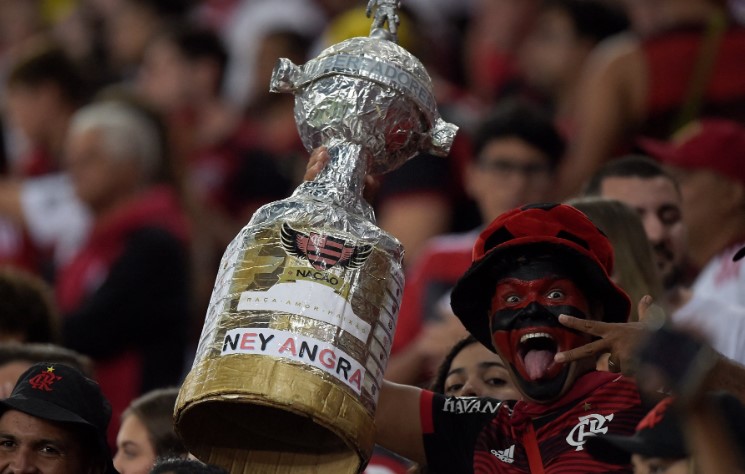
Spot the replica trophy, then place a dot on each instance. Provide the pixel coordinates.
(299, 327)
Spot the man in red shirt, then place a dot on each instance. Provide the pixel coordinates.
(530, 265)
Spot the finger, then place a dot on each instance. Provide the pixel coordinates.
(643, 306)
(320, 154)
(595, 328)
(371, 188)
(318, 159)
(588, 350)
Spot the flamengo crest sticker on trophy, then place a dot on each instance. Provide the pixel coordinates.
(323, 251)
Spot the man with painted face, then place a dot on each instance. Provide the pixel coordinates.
(530, 265)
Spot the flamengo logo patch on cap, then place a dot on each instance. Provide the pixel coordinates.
(323, 251)
(44, 380)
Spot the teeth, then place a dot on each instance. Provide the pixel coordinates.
(534, 335)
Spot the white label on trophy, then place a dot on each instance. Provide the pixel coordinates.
(383, 337)
(308, 299)
(374, 369)
(306, 350)
(371, 387)
(378, 353)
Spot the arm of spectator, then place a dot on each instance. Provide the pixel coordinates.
(610, 96)
(727, 375)
(398, 421)
(710, 441)
(142, 299)
(618, 339)
(10, 200)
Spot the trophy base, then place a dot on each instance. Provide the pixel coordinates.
(256, 414)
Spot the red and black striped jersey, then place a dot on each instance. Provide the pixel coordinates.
(482, 435)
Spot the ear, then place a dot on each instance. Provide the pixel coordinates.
(732, 195)
(737, 193)
(472, 180)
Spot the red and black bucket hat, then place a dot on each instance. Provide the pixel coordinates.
(537, 229)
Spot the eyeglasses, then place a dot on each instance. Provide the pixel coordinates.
(506, 168)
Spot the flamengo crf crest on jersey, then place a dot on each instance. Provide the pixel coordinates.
(323, 251)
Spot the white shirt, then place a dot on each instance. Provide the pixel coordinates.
(55, 217)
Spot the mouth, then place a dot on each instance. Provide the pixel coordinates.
(663, 254)
(536, 349)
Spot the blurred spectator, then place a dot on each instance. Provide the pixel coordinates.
(555, 50)
(20, 21)
(515, 152)
(124, 297)
(494, 33)
(708, 160)
(44, 89)
(185, 466)
(129, 25)
(690, 67)
(27, 309)
(635, 268)
(16, 358)
(147, 433)
(244, 34)
(645, 186)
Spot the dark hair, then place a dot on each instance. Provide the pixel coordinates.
(27, 307)
(592, 19)
(50, 65)
(197, 44)
(438, 384)
(34, 353)
(184, 466)
(166, 9)
(520, 119)
(631, 166)
(155, 410)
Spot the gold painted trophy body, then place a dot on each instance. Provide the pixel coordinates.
(300, 323)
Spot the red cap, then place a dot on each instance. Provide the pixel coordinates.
(713, 144)
(537, 229)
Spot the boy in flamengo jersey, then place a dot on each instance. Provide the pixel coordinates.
(529, 266)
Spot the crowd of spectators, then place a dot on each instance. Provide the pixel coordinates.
(139, 136)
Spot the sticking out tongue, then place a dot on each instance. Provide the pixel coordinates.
(537, 362)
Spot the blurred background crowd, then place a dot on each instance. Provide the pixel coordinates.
(139, 136)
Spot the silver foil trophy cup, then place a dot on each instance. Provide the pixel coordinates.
(301, 320)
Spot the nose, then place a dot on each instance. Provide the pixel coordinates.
(472, 388)
(23, 463)
(118, 461)
(655, 229)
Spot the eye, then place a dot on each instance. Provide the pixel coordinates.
(555, 294)
(669, 215)
(7, 443)
(50, 450)
(512, 299)
(450, 390)
(495, 381)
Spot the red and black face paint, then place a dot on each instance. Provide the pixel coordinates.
(526, 330)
